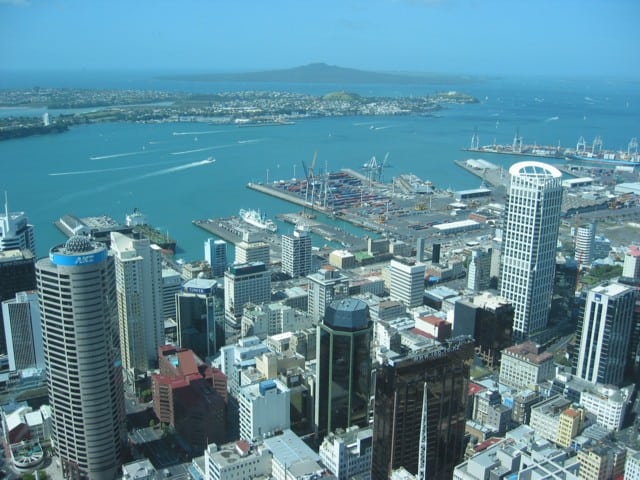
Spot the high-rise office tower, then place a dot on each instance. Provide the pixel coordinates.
(604, 332)
(21, 317)
(200, 317)
(250, 252)
(78, 308)
(325, 285)
(425, 436)
(138, 268)
(407, 283)
(15, 231)
(532, 219)
(420, 243)
(343, 368)
(244, 283)
(171, 285)
(631, 276)
(17, 274)
(585, 237)
(296, 253)
(215, 254)
(479, 273)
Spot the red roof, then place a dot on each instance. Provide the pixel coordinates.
(474, 388)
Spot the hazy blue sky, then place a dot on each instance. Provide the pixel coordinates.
(564, 37)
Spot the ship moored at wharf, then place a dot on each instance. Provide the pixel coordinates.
(581, 153)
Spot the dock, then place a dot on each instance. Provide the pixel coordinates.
(494, 175)
(329, 232)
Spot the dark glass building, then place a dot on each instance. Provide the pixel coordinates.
(398, 437)
(343, 366)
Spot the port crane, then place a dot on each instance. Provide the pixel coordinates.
(374, 169)
(310, 179)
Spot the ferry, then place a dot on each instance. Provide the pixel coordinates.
(255, 218)
(138, 221)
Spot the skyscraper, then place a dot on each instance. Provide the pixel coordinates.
(17, 274)
(407, 283)
(325, 285)
(15, 231)
(421, 435)
(21, 317)
(479, 273)
(138, 268)
(296, 253)
(215, 254)
(532, 219)
(77, 294)
(244, 283)
(200, 317)
(585, 238)
(343, 368)
(604, 332)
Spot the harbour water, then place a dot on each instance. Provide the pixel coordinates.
(110, 169)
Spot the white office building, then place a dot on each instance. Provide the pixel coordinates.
(138, 266)
(603, 333)
(479, 273)
(236, 461)
(236, 358)
(525, 365)
(609, 404)
(245, 283)
(631, 267)
(585, 239)
(78, 307)
(407, 283)
(171, 285)
(532, 219)
(23, 333)
(296, 253)
(15, 231)
(250, 252)
(264, 409)
(347, 453)
(326, 285)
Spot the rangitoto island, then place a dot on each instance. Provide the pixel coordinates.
(242, 108)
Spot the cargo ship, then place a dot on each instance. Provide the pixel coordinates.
(138, 221)
(596, 154)
(255, 218)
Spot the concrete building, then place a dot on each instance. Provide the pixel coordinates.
(190, 396)
(272, 318)
(407, 283)
(245, 283)
(15, 231)
(236, 358)
(604, 332)
(264, 409)
(585, 236)
(296, 253)
(23, 331)
(138, 266)
(325, 285)
(342, 259)
(78, 308)
(525, 366)
(602, 461)
(292, 458)
(343, 368)
(631, 266)
(17, 274)
(632, 466)
(236, 461)
(532, 219)
(555, 420)
(479, 273)
(347, 453)
(250, 252)
(200, 317)
(608, 404)
(215, 254)
(404, 433)
(171, 285)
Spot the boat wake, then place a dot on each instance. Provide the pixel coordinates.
(205, 132)
(103, 170)
(551, 119)
(251, 140)
(204, 149)
(118, 155)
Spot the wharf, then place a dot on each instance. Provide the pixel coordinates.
(526, 151)
(274, 192)
(328, 232)
(492, 174)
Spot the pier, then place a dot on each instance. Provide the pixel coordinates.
(328, 232)
(490, 173)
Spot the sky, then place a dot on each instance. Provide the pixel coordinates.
(479, 37)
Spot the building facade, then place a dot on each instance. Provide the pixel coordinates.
(347, 453)
(264, 409)
(78, 306)
(296, 253)
(432, 439)
(525, 365)
(245, 283)
(215, 254)
(585, 238)
(23, 331)
(325, 285)
(343, 368)
(532, 219)
(604, 332)
(15, 231)
(138, 266)
(407, 283)
(250, 252)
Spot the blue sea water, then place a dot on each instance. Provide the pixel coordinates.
(110, 169)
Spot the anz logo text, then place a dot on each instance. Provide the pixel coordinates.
(84, 259)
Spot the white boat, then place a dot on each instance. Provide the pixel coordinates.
(255, 218)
